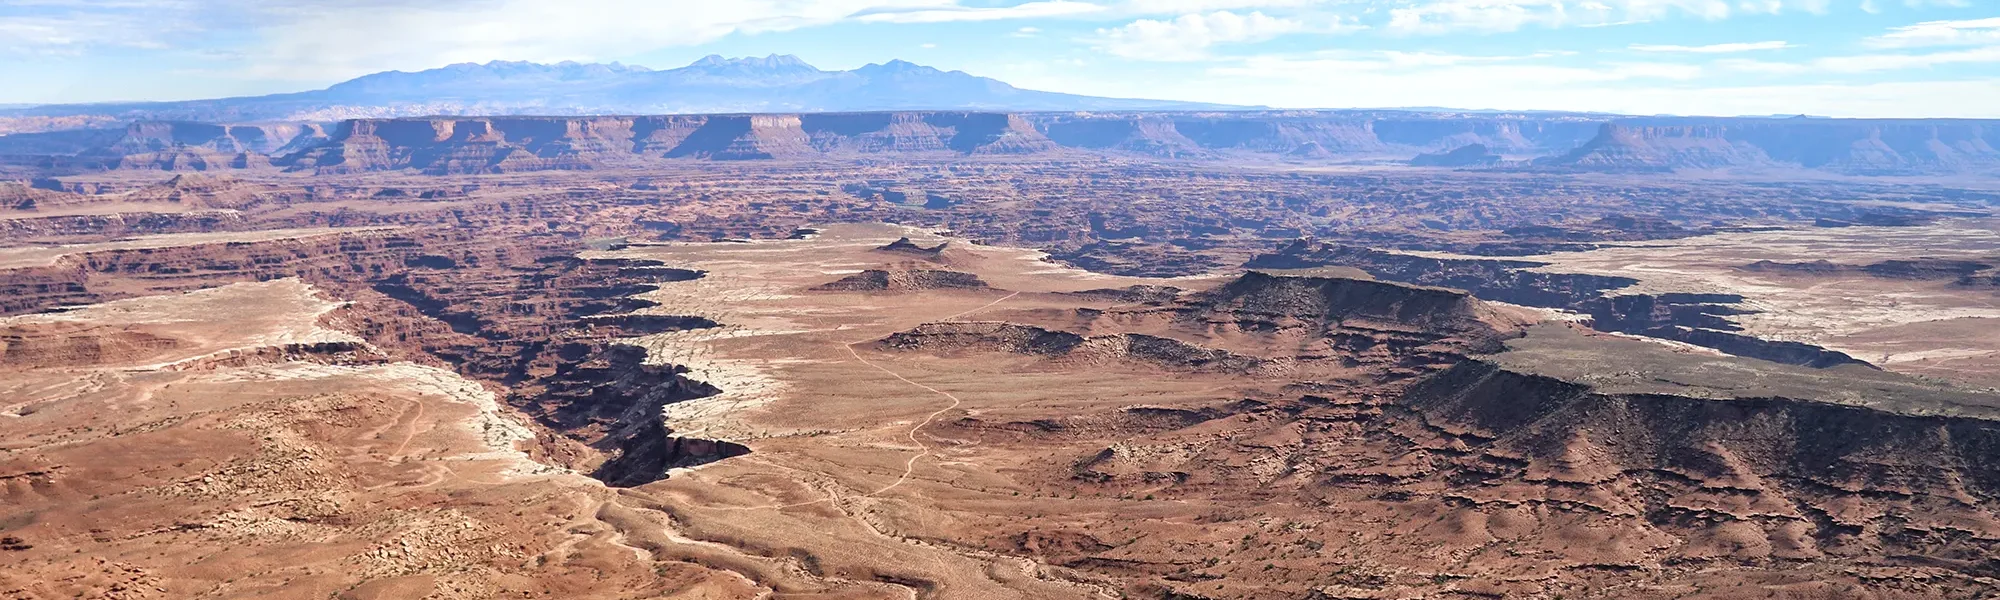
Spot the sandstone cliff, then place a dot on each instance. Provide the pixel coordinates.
(447, 145)
(1851, 146)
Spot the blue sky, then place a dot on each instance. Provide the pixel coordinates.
(1827, 57)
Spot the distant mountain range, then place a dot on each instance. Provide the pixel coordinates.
(777, 83)
(512, 116)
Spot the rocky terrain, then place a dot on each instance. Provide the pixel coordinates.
(983, 355)
(1531, 142)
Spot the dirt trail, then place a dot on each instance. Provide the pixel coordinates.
(924, 450)
(911, 465)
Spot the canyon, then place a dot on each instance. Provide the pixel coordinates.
(992, 354)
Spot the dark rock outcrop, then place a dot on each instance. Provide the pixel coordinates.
(903, 280)
(1699, 319)
(1031, 340)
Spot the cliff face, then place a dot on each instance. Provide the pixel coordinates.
(165, 145)
(1322, 135)
(1857, 146)
(1738, 477)
(487, 145)
(1326, 301)
(442, 145)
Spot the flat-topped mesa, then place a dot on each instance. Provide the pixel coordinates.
(1387, 135)
(501, 144)
(1332, 300)
(466, 145)
(1852, 146)
(165, 145)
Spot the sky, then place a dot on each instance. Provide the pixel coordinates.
(1851, 58)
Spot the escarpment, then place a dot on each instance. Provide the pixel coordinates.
(1771, 456)
(496, 144)
(1565, 432)
(161, 145)
(76, 344)
(1672, 463)
(1852, 146)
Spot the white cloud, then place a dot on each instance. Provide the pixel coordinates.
(1372, 80)
(1897, 62)
(73, 31)
(1940, 33)
(41, 35)
(1189, 37)
(1349, 70)
(1201, 6)
(1363, 80)
(1476, 15)
(955, 13)
(1761, 67)
(1865, 63)
(1452, 16)
(1714, 48)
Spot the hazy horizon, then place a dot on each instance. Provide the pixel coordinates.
(1843, 58)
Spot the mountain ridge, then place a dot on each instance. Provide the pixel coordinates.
(712, 84)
